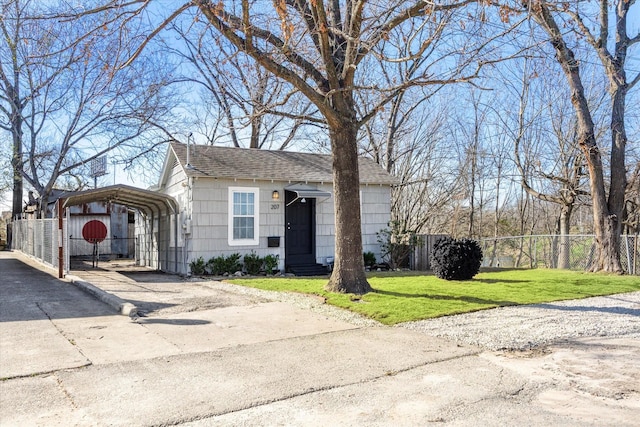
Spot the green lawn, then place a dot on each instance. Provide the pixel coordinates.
(407, 296)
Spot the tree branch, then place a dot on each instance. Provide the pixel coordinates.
(265, 60)
(155, 32)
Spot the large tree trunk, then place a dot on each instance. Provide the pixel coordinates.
(608, 251)
(348, 273)
(565, 241)
(615, 203)
(16, 159)
(606, 222)
(16, 163)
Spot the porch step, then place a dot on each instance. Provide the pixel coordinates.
(309, 270)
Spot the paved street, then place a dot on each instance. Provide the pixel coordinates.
(205, 355)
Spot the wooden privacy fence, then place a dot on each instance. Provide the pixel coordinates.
(421, 259)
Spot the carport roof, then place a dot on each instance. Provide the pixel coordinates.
(145, 200)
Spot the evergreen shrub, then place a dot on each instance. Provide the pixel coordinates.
(271, 263)
(252, 263)
(197, 266)
(224, 265)
(369, 259)
(456, 259)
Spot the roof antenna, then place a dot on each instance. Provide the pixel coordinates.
(188, 150)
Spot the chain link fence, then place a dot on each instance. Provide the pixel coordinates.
(574, 252)
(38, 238)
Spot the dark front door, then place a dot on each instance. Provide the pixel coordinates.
(300, 227)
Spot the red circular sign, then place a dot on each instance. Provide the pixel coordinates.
(94, 231)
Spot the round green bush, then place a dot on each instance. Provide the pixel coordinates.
(456, 259)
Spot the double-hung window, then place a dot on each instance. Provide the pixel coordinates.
(243, 216)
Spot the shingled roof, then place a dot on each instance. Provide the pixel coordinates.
(243, 163)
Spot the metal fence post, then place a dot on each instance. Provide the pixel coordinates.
(60, 241)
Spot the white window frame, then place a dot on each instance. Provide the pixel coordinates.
(256, 217)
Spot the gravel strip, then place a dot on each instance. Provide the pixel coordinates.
(530, 326)
(506, 328)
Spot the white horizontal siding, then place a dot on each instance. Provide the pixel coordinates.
(325, 229)
(173, 185)
(209, 236)
(376, 214)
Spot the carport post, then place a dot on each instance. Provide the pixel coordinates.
(175, 241)
(60, 241)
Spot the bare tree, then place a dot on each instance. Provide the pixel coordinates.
(63, 101)
(241, 97)
(473, 151)
(318, 48)
(15, 57)
(611, 46)
(407, 139)
(420, 201)
(547, 158)
(500, 160)
(386, 132)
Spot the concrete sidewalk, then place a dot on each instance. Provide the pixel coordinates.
(68, 359)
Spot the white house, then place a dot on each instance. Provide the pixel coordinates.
(234, 200)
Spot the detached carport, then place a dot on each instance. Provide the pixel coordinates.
(160, 215)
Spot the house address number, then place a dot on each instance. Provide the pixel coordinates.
(275, 206)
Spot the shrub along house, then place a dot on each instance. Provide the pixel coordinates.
(245, 201)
